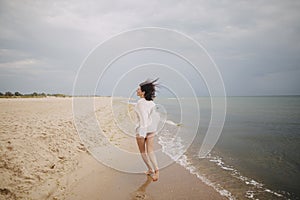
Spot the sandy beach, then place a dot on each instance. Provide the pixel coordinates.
(42, 157)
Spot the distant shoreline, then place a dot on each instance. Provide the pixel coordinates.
(33, 96)
(44, 95)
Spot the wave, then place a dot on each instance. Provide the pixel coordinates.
(174, 148)
(236, 174)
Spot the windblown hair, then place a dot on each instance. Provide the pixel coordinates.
(149, 88)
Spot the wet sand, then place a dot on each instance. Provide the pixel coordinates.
(93, 180)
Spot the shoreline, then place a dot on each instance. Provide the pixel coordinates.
(42, 157)
(93, 180)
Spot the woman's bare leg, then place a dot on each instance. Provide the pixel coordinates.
(141, 144)
(151, 154)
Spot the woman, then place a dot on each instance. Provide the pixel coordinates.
(147, 126)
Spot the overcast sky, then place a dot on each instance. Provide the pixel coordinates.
(255, 44)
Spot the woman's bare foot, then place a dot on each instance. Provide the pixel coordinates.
(149, 172)
(155, 176)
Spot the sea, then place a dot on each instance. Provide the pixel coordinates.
(257, 155)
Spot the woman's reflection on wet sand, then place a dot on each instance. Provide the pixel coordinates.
(140, 193)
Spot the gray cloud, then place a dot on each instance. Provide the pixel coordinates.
(255, 44)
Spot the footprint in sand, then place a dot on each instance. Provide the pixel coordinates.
(140, 196)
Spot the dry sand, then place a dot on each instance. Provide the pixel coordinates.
(42, 157)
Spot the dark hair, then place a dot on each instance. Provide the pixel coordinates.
(149, 88)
